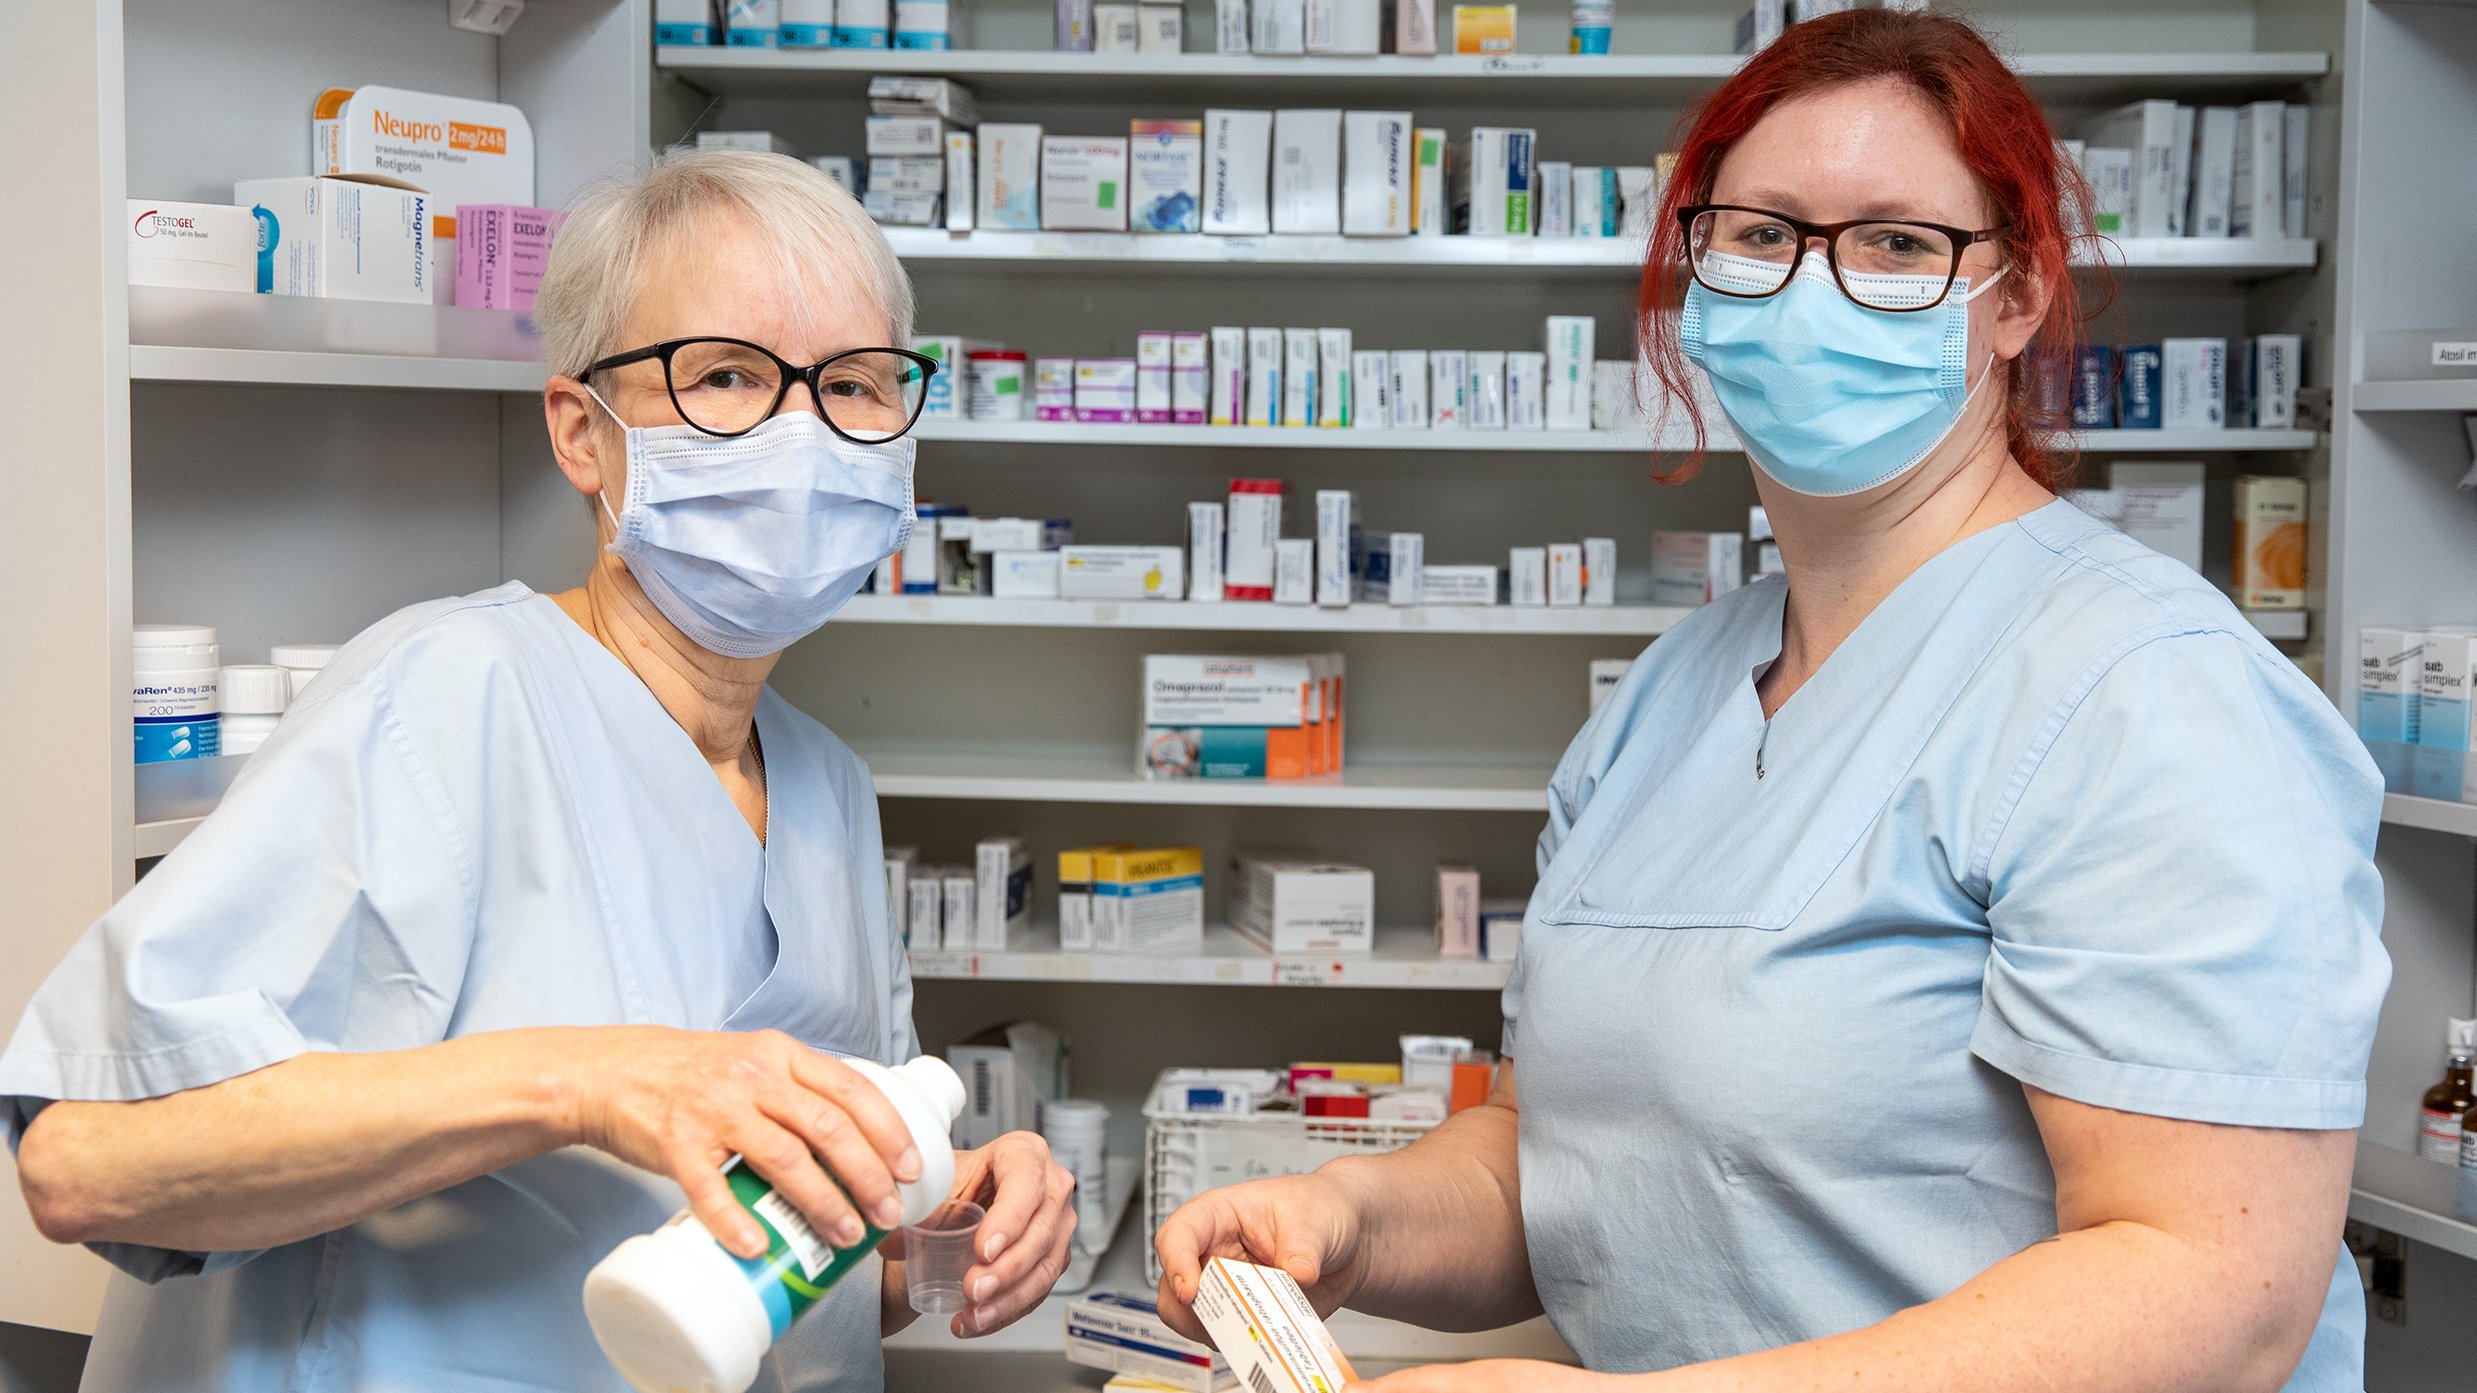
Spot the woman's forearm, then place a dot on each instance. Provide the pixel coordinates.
(2120, 1308)
(297, 1148)
(1441, 1225)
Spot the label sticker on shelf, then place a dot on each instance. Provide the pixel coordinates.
(935, 963)
(1511, 64)
(2455, 355)
(1288, 973)
(1242, 249)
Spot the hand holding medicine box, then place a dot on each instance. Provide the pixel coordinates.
(1265, 1327)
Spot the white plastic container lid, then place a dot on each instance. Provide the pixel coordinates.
(173, 648)
(254, 689)
(308, 657)
(1074, 1115)
(676, 1314)
(173, 635)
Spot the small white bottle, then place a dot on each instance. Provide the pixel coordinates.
(676, 1312)
(254, 696)
(303, 660)
(172, 671)
(1077, 1131)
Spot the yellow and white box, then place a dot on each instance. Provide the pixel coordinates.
(1122, 573)
(1149, 900)
(458, 150)
(193, 246)
(1075, 894)
(2270, 542)
(349, 237)
(1266, 1329)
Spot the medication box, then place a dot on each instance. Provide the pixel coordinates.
(1125, 1334)
(1693, 568)
(1457, 910)
(1023, 575)
(351, 237)
(1105, 389)
(1226, 718)
(193, 246)
(1075, 894)
(501, 252)
(1083, 183)
(1255, 529)
(2389, 672)
(2270, 542)
(1458, 585)
(2194, 373)
(1264, 1326)
(1165, 175)
(1483, 28)
(1571, 339)
(1121, 573)
(1238, 155)
(1010, 177)
(2162, 507)
(1286, 904)
(1495, 183)
(1307, 172)
(1148, 901)
(1376, 173)
(455, 150)
(1003, 892)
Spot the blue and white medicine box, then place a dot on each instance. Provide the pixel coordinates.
(2094, 387)
(2447, 675)
(753, 23)
(2142, 367)
(692, 22)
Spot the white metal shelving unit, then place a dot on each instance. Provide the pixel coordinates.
(1643, 621)
(1404, 959)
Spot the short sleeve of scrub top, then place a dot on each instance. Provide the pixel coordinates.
(2203, 958)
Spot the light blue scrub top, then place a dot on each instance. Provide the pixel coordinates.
(476, 819)
(2054, 815)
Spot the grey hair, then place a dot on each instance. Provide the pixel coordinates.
(601, 256)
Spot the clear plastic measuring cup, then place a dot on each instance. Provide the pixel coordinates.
(937, 1251)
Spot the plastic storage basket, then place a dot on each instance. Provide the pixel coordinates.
(1186, 1154)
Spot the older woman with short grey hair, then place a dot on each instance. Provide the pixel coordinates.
(538, 909)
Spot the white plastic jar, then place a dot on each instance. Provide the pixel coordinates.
(676, 1312)
(303, 660)
(254, 696)
(172, 673)
(1077, 1130)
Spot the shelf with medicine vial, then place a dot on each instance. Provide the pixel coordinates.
(1404, 958)
(1610, 442)
(2415, 1198)
(1530, 80)
(1255, 617)
(1121, 1269)
(2220, 258)
(1072, 777)
(220, 336)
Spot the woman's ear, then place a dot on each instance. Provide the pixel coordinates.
(575, 438)
(2022, 300)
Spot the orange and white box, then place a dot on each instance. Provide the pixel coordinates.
(1264, 1326)
(457, 150)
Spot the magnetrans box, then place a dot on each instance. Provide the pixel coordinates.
(1124, 1334)
(193, 246)
(1227, 718)
(1266, 1329)
(349, 237)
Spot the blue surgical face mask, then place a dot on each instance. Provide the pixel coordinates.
(1829, 397)
(752, 543)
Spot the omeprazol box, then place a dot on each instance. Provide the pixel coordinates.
(1268, 1332)
(1125, 1334)
(1226, 718)
(1148, 900)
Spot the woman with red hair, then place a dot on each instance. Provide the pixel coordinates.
(1953, 966)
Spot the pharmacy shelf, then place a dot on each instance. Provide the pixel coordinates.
(2283, 624)
(1404, 958)
(1531, 79)
(2223, 258)
(1041, 1333)
(217, 336)
(1085, 778)
(2415, 1198)
(172, 797)
(1241, 617)
(2459, 395)
(159, 837)
(2432, 814)
(1600, 442)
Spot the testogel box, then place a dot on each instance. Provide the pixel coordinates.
(351, 237)
(1238, 155)
(1265, 1327)
(193, 246)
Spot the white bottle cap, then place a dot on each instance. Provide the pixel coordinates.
(676, 1313)
(173, 648)
(309, 657)
(2460, 1037)
(254, 689)
(173, 635)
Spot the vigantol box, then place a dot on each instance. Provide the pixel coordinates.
(1148, 900)
(1266, 1329)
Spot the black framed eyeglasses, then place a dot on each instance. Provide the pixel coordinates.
(1752, 253)
(729, 387)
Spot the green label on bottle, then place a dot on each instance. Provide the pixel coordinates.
(799, 1264)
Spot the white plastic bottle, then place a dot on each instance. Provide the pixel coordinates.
(254, 697)
(676, 1312)
(172, 672)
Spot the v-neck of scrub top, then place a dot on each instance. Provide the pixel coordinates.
(756, 955)
(1758, 848)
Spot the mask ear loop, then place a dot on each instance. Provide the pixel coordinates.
(603, 495)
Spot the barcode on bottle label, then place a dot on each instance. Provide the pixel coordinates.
(1260, 1382)
(806, 1247)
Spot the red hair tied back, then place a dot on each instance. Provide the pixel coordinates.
(2003, 137)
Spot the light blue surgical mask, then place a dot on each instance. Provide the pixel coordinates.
(1829, 397)
(751, 543)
